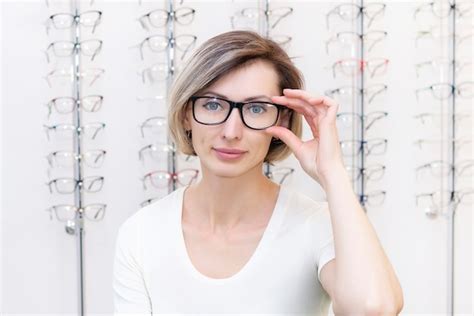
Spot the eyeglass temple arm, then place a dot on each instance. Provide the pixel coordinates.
(281, 17)
(373, 16)
(97, 51)
(95, 24)
(328, 15)
(377, 93)
(372, 74)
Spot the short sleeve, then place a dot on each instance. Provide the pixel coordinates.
(321, 236)
(130, 293)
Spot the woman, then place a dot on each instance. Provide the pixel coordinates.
(235, 242)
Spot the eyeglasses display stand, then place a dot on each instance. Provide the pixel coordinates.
(357, 147)
(452, 161)
(76, 226)
(170, 54)
(445, 14)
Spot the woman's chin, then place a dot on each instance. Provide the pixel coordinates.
(227, 170)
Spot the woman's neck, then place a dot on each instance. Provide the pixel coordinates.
(220, 204)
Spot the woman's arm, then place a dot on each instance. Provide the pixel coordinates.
(130, 293)
(361, 279)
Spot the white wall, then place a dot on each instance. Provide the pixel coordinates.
(38, 260)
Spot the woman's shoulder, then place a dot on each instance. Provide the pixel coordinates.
(303, 203)
(156, 212)
(302, 210)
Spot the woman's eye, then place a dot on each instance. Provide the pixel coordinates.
(257, 109)
(212, 106)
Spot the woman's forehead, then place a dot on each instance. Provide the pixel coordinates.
(256, 79)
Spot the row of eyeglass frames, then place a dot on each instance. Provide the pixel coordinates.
(447, 93)
(358, 67)
(162, 43)
(67, 79)
(445, 96)
(154, 127)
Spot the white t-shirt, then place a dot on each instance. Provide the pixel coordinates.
(154, 275)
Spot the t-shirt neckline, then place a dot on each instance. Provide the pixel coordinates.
(269, 232)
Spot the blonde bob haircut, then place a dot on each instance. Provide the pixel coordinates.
(217, 57)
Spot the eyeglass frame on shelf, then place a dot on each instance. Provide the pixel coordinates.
(76, 47)
(170, 14)
(382, 114)
(71, 74)
(77, 184)
(240, 14)
(79, 130)
(363, 146)
(173, 176)
(77, 104)
(76, 19)
(452, 6)
(54, 208)
(384, 87)
(361, 10)
(360, 36)
(170, 41)
(453, 89)
(77, 157)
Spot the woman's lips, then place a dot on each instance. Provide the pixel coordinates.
(228, 153)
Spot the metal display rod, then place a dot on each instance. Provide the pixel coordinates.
(453, 202)
(78, 172)
(267, 18)
(266, 32)
(362, 109)
(171, 67)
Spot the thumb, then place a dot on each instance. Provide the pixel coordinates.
(286, 135)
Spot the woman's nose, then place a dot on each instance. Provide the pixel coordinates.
(233, 126)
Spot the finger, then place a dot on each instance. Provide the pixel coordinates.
(328, 112)
(286, 135)
(332, 113)
(312, 105)
(303, 94)
(312, 122)
(310, 114)
(312, 99)
(296, 104)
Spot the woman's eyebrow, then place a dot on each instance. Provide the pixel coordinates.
(247, 99)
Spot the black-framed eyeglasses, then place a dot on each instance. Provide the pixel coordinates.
(257, 115)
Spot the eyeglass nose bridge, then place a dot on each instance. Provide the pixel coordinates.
(236, 105)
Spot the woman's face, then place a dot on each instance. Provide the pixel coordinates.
(231, 149)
